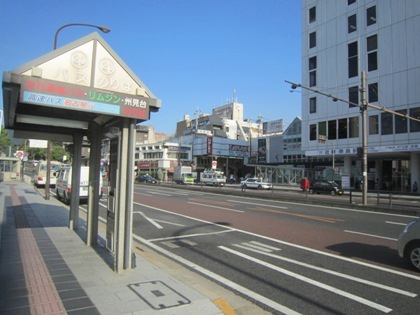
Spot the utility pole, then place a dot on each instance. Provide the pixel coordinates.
(363, 109)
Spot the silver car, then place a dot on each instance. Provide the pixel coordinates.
(409, 243)
(257, 183)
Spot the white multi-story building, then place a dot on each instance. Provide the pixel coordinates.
(340, 40)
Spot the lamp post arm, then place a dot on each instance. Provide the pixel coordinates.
(101, 28)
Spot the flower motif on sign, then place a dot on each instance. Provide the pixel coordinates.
(79, 60)
(106, 66)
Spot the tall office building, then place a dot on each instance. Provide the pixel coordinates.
(340, 40)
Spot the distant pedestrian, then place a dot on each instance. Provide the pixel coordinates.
(415, 187)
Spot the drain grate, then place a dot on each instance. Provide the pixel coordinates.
(158, 295)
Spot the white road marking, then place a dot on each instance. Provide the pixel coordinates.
(222, 208)
(311, 281)
(170, 223)
(226, 282)
(148, 219)
(396, 223)
(328, 207)
(316, 251)
(331, 272)
(256, 246)
(160, 193)
(170, 245)
(265, 245)
(258, 204)
(371, 235)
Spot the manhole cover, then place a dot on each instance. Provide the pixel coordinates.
(158, 295)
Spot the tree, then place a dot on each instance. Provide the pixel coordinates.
(36, 154)
(4, 139)
(58, 152)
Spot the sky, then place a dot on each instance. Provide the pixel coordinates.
(194, 55)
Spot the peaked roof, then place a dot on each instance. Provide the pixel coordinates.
(88, 61)
(66, 89)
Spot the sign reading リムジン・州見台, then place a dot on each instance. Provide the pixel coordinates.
(75, 97)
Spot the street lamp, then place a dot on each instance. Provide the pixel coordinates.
(101, 28)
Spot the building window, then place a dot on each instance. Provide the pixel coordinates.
(371, 15)
(373, 125)
(350, 2)
(312, 132)
(312, 105)
(353, 60)
(354, 127)
(312, 40)
(401, 125)
(312, 14)
(354, 96)
(342, 128)
(373, 92)
(415, 125)
(386, 124)
(322, 128)
(372, 47)
(312, 71)
(332, 129)
(351, 23)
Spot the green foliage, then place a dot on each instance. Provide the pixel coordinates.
(36, 154)
(4, 139)
(57, 153)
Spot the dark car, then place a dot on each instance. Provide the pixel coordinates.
(325, 187)
(146, 179)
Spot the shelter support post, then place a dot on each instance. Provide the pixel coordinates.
(124, 197)
(75, 180)
(94, 181)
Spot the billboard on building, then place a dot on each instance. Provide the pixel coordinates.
(262, 150)
(209, 146)
(274, 126)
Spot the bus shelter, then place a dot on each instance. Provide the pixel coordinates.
(83, 89)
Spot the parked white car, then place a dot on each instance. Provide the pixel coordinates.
(256, 183)
(409, 243)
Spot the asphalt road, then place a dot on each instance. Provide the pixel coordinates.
(287, 257)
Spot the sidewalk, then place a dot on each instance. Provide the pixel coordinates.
(46, 268)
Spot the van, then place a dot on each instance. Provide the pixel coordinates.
(214, 178)
(63, 185)
(326, 187)
(37, 171)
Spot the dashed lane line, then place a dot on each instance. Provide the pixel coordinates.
(216, 207)
(371, 235)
